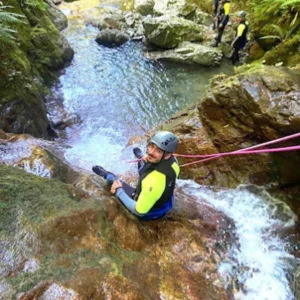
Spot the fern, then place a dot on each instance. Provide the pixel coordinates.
(290, 3)
(282, 34)
(8, 18)
(6, 34)
(279, 30)
(275, 37)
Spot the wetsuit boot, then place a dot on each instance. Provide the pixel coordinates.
(109, 177)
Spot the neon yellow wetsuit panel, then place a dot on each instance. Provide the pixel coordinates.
(241, 29)
(153, 186)
(226, 9)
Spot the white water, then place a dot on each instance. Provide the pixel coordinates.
(261, 262)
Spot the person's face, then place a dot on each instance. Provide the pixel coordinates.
(154, 153)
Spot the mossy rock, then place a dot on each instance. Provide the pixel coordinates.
(27, 67)
(286, 52)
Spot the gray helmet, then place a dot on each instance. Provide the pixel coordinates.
(165, 140)
(242, 14)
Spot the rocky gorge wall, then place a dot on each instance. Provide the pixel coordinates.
(29, 65)
(238, 112)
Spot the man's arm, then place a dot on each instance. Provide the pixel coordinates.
(129, 203)
(153, 187)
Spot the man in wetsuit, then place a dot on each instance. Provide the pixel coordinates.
(221, 20)
(158, 169)
(240, 40)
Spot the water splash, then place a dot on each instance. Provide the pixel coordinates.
(260, 265)
(38, 168)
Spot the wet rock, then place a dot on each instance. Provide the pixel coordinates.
(169, 7)
(6, 290)
(17, 116)
(112, 20)
(30, 66)
(243, 111)
(201, 17)
(88, 247)
(48, 291)
(57, 17)
(297, 284)
(168, 32)
(190, 53)
(144, 7)
(111, 38)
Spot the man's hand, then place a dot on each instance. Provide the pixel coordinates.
(145, 158)
(117, 184)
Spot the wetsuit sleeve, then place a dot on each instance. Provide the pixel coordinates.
(129, 203)
(240, 29)
(153, 186)
(226, 9)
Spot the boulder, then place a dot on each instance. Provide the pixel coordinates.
(111, 38)
(57, 17)
(112, 20)
(201, 17)
(238, 112)
(30, 65)
(190, 53)
(144, 7)
(91, 247)
(168, 32)
(170, 7)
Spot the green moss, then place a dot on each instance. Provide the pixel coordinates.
(26, 67)
(50, 219)
(37, 197)
(286, 52)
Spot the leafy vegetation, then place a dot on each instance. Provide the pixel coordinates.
(7, 19)
(282, 34)
(275, 25)
(286, 10)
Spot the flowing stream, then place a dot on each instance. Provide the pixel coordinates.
(118, 94)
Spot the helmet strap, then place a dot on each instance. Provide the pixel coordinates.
(163, 156)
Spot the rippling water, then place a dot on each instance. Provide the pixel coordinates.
(118, 93)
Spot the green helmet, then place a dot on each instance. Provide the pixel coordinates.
(165, 140)
(242, 14)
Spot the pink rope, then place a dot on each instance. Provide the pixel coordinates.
(289, 137)
(283, 149)
(208, 157)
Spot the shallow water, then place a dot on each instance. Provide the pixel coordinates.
(118, 93)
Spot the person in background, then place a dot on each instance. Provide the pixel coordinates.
(158, 170)
(221, 20)
(240, 40)
(215, 10)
